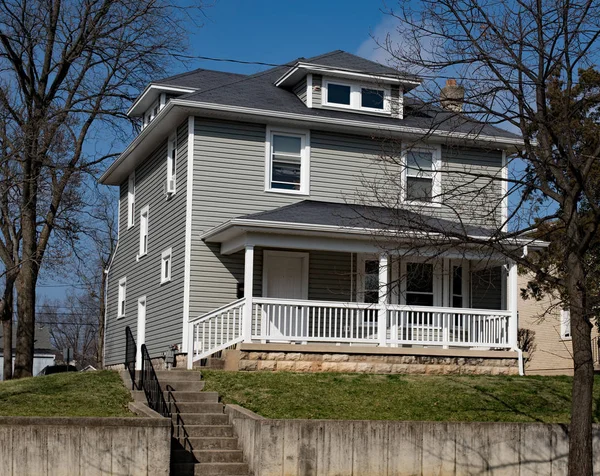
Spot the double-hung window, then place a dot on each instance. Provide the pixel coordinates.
(144, 231)
(355, 96)
(172, 164)
(422, 175)
(419, 284)
(131, 200)
(287, 162)
(122, 297)
(165, 266)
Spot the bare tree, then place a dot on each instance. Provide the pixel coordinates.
(70, 67)
(524, 65)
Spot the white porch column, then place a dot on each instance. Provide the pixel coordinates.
(513, 301)
(248, 286)
(383, 299)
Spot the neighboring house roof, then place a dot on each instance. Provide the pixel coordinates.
(42, 344)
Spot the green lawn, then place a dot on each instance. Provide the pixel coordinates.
(82, 394)
(398, 397)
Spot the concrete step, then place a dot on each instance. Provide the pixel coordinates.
(139, 396)
(208, 397)
(214, 443)
(203, 419)
(199, 407)
(208, 456)
(183, 385)
(208, 430)
(178, 375)
(210, 469)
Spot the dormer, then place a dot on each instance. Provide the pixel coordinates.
(153, 99)
(326, 87)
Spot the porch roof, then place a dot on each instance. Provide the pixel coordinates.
(359, 226)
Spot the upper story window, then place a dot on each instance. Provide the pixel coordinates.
(122, 297)
(422, 175)
(131, 200)
(165, 266)
(287, 162)
(356, 96)
(172, 165)
(144, 231)
(151, 113)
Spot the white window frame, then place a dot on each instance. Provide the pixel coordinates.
(131, 200)
(437, 279)
(122, 298)
(165, 277)
(356, 96)
(304, 159)
(565, 325)
(436, 179)
(144, 212)
(172, 162)
(361, 259)
(150, 114)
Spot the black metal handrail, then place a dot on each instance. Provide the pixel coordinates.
(151, 386)
(179, 432)
(130, 356)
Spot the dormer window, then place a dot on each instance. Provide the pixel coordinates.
(366, 98)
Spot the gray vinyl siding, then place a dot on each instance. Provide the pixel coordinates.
(486, 288)
(300, 90)
(229, 180)
(317, 90)
(164, 303)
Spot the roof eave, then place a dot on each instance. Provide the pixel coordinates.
(145, 100)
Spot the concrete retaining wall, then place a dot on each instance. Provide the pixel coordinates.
(398, 448)
(84, 446)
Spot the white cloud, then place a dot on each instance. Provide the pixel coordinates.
(370, 49)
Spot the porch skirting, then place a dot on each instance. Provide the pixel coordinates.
(327, 358)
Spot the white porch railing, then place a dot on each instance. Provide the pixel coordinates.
(217, 330)
(284, 320)
(281, 320)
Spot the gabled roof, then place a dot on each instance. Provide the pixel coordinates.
(41, 343)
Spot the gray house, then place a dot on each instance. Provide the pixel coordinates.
(263, 215)
(43, 353)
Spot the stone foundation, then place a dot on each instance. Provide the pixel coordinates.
(158, 363)
(380, 363)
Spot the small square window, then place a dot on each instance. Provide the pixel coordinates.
(338, 94)
(166, 262)
(372, 98)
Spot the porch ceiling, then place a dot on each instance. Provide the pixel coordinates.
(330, 226)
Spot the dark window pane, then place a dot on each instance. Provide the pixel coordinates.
(419, 299)
(372, 267)
(372, 98)
(419, 189)
(286, 176)
(457, 280)
(419, 277)
(419, 163)
(287, 145)
(457, 301)
(371, 297)
(338, 94)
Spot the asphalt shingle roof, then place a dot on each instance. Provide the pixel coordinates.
(361, 216)
(41, 340)
(258, 91)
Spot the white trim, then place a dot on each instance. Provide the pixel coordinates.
(248, 292)
(436, 170)
(144, 216)
(345, 73)
(188, 235)
(309, 90)
(131, 200)
(356, 97)
(122, 298)
(304, 136)
(437, 279)
(504, 191)
(165, 278)
(156, 87)
(269, 255)
(361, 127)
(172, 164)
(565, 325)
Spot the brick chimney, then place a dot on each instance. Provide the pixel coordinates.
(452, 96)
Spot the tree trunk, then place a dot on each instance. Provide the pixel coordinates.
(7, 325)
(580, 432)
(24, 348)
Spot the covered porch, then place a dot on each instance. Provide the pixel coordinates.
(333, 286)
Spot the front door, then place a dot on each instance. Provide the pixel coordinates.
(141, 331)
(285, 276)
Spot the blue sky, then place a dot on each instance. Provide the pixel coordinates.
(271, 32)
